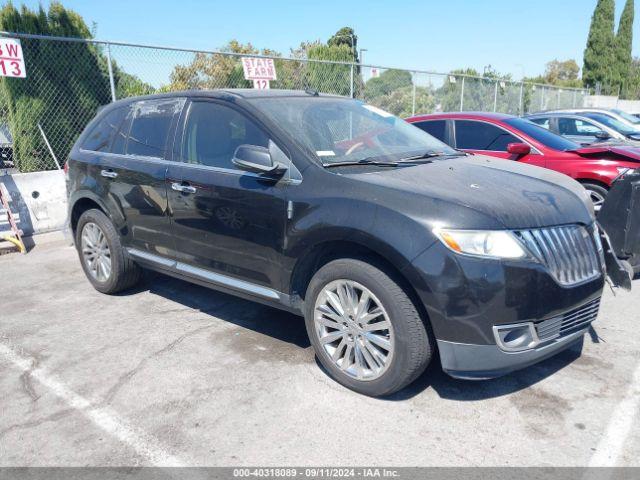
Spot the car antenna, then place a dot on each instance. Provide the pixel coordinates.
(311, 91)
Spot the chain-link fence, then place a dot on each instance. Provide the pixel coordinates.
(67, 80)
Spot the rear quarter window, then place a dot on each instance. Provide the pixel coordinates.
(100, 137)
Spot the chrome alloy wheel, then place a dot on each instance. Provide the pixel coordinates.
(597, 198)
(354, 329)
(95, 251)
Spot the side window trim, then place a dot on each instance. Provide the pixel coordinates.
(534, 150)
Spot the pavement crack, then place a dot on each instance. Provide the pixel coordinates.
(54, 417)
(26, 381)
(126, 377)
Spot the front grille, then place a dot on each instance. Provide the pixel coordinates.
(570, 252)
(568, 323)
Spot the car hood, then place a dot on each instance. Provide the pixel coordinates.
(627, 152)
(482, 192)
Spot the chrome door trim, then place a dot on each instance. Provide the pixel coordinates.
(209, 276)
(166, 262)
(227, 281)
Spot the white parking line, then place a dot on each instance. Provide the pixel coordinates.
(104, 418)
(613, 442)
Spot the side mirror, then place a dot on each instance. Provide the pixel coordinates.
(253, 158)
(518, 149)
(601, 135)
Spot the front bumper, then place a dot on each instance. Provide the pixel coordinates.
(480, 362)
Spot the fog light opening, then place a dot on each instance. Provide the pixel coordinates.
(516, 338)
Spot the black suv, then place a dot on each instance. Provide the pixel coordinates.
(390, 243)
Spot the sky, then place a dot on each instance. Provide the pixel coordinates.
(516, 37)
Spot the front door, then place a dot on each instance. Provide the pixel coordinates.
(225, 220)
(487, 139)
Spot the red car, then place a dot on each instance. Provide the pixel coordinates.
(514, 138)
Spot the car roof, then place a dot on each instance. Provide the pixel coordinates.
(229, 93)
(465, 115)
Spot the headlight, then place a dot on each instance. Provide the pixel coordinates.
(622, 170)
(497, 244)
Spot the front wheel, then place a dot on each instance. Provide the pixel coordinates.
(366, 331)
(597, 193)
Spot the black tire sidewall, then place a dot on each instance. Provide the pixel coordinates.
(115, 248)
(360, 272)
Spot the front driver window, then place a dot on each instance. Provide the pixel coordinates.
(472, 135)
(214, 131)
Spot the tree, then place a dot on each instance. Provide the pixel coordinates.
(562, 73)
(66, 84)
(346, 36)
(387, 82)
(624, 40)
(599, 55)
(330, 77)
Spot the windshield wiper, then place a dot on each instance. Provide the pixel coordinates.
(364, 161)
(433, 155)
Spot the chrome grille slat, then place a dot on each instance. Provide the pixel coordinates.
(569, 252)
(570, 321)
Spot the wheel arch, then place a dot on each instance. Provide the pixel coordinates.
(81, 204)
(387, 260)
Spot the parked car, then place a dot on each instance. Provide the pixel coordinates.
(509, 137)
(391, 244)
(6, 146)
(586, 129)
(613, 113)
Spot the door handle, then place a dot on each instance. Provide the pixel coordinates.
(108, 173)
(178, 187)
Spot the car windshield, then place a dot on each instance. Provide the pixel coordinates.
(542, 135)
(338, 130)
(611, 122)
(627, 116)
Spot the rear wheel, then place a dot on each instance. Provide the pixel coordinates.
(598, 194)
(104, 261)
(366, 331)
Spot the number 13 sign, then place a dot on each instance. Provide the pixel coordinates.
(11, 59)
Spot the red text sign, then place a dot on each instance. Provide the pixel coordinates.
(11, 59)
(258, 68)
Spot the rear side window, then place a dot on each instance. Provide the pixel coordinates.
(152, 119)
(435, 128)
(101, 136)
(474, 135)
(543, 122)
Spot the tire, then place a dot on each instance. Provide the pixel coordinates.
(409, 347)
(598, 194)
(123, 272)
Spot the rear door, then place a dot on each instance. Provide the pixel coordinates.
(130, 150)
(437, 128)
(228, 223)
(488, 139)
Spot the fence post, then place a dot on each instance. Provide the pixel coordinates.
(413, 98)
(111, 82)
(558, 99)
(351, 78)
(574, 99)
(462, 95)
(541, 98)
(495, 97)
(521, 98)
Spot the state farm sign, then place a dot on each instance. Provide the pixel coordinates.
(11, 59)
(260, 70)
